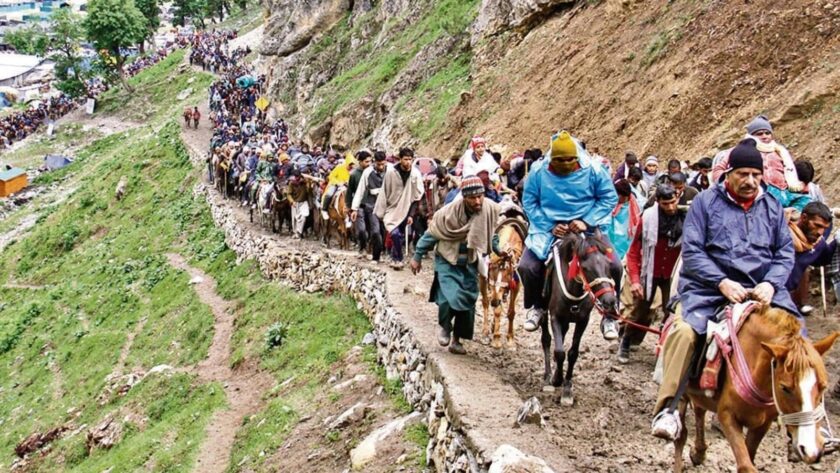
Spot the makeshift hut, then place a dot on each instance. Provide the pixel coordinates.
(12, 181)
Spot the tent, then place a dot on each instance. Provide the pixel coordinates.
(245, 81)
(56, 161)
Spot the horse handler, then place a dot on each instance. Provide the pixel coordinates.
(463, 231)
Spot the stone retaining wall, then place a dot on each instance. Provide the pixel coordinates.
(397, 347)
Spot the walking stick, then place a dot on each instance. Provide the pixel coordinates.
(822, 291)
(407, 240)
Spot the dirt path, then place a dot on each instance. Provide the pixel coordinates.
(608, 428)
(243, 387)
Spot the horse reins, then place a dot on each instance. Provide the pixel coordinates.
(609, 286)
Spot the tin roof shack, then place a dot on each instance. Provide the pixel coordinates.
(12, 181)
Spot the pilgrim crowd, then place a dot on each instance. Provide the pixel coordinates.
(18, 125)
(750, 218)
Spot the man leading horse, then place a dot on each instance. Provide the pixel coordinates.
(566, 192)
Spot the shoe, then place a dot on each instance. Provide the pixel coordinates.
(397, 265)
(666, 425)
(266, 211)
(533, 319)
(457, 349)
(325, 215)
(609, 328)
(806, 310)
(443, 337)
(624, 352)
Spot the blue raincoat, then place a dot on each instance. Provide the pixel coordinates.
(619, 231)
(587, 194)
(721, 240)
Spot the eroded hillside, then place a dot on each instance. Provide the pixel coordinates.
(673, 78)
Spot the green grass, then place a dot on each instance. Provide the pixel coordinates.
(418, 434)
(102, 263)
(68, 135)
(242, 20)
(438, 95)
(375, 70)
(155, 92)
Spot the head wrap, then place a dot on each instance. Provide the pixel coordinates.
(759, 123)
(563, 146)
(471, 186)
(477, 140)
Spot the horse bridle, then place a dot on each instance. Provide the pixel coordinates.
(804, 418)
(609, 284)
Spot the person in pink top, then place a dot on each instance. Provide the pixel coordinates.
(779, 170)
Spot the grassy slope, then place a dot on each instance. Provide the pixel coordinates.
(378, 66)
(102, 262)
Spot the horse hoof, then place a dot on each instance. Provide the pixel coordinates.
(485, 340)
(510, 345)
(697, 458)
(497, 344)
(548, 388)
(567, 401)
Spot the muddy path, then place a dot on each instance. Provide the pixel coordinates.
(607, 429)
(243, 386)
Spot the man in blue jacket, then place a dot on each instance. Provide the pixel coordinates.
(565, 192)
(736, 245)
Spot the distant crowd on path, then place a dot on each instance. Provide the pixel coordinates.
(18, 125)
(210, 50)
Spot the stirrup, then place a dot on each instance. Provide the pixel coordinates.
(661, 433)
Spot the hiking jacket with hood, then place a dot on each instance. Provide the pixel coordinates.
(587, 194)
(722, 240)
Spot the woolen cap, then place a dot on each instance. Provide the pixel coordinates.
(745, 155)
(759, 123)
(471, 186)
(563, 146)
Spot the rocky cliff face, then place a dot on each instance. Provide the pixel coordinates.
(674, 78)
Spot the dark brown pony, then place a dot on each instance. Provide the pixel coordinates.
(789, 370)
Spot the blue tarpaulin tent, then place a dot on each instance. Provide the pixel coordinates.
(55, 161)
(245, 81)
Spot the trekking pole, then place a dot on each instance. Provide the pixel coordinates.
(822, 291)
(407, 240)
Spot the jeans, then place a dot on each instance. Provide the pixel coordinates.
(398, 242)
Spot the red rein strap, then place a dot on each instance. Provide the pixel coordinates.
(575, 271)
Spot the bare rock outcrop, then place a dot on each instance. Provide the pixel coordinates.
(496, 16)
(293, 23)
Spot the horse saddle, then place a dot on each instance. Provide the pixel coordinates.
(719, 341)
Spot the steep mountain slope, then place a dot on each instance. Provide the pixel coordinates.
(674, 78)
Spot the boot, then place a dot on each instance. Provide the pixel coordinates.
(624, 350)
(443, 337)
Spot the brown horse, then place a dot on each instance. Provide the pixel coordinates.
(789, 372)
(501, 284)
(337, 210)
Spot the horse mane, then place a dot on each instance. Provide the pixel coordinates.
(788, 334)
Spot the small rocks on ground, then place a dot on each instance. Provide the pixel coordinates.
(530, 413)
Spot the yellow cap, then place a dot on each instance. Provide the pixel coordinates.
(563, 146)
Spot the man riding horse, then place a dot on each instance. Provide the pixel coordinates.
(736, 245)
(566, 192)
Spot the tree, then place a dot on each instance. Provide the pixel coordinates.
(192, 10)
(114, 26)
(67, 35)
(151, 12)
(32, 40)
